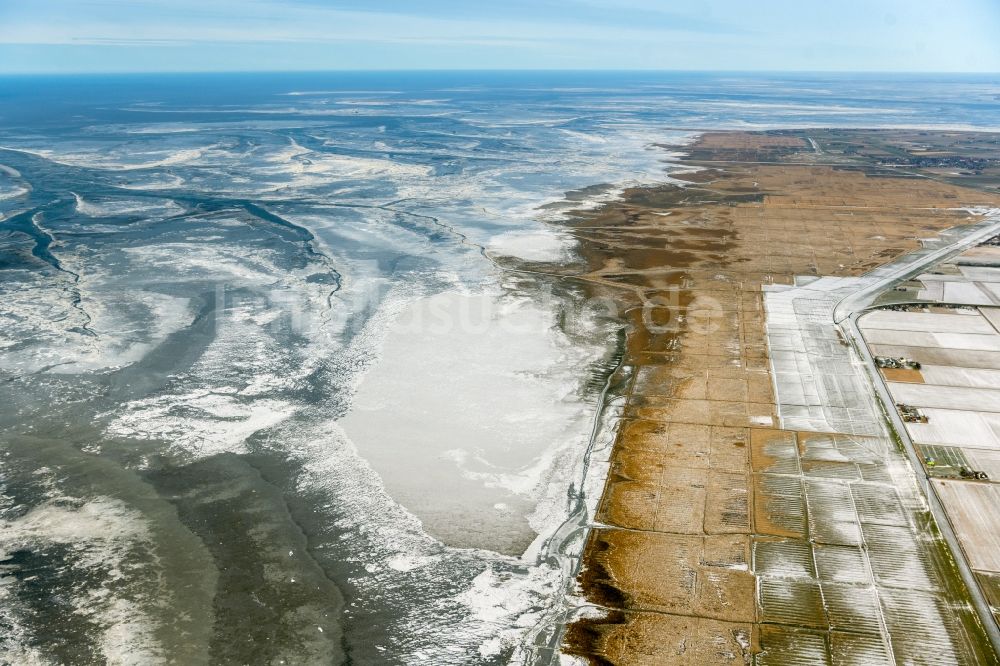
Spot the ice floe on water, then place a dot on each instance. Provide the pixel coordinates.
(120, 206)
(235, 389)
(532, 245)
(200, 422)
(469, 603)
(9, 191)
(97, 541)
(477, 393)
(153, 182)
(13, 189)
(299, 167)
(119, 160)
(70, 324)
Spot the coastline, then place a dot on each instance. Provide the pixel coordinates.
(185, 345)
(689, 519)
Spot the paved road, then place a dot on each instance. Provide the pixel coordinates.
(846, 316)
(863, 298)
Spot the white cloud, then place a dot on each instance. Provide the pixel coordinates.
(714, 34)
(107, 22)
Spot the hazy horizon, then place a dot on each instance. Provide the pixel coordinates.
(522, 70)
(184, 36)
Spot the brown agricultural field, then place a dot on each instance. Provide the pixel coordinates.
(704, 495)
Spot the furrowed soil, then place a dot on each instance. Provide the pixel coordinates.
(705, 549)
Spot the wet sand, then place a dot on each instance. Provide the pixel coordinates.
(704, 550)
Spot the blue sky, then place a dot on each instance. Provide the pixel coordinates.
(216, 35)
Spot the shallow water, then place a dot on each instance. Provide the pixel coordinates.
(271, 391)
